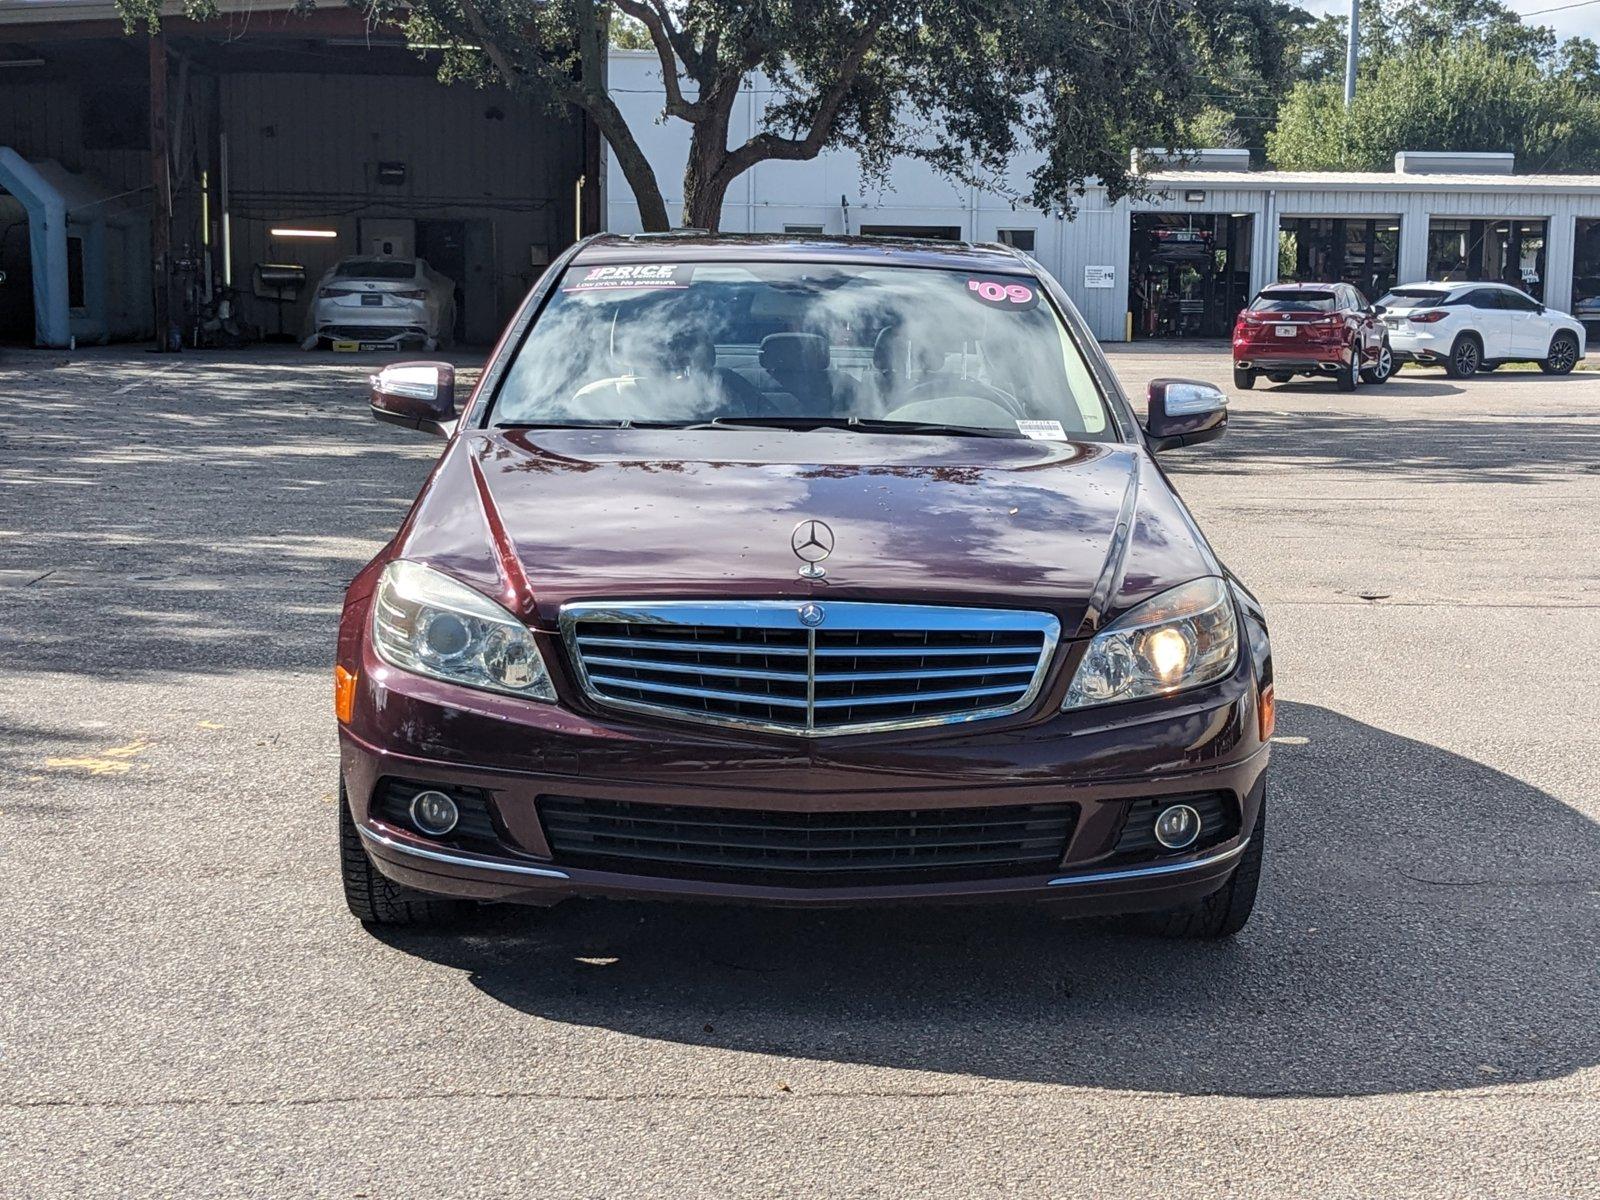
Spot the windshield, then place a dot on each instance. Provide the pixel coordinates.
(1413, 297)
(1295, 302)
(685, 343)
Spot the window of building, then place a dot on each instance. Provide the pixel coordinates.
(939, 233)
(802, 228)
(1020, 239)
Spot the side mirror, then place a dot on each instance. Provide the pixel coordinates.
(417, 395)
(1183, 412)
(1378, 310)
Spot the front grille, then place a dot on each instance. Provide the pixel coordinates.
(862, 667)
(1219, 821)
(806, 848)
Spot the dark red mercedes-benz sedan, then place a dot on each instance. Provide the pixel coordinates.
(801, 571)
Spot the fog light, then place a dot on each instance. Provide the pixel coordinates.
(435, 814)
(1177, 826)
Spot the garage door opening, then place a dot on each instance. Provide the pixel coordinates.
(1360, 251)
(1493, 251)
(1190, 273)
(16, 273)
(1586, 276)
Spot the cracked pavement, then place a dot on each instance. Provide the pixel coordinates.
(185, 1006)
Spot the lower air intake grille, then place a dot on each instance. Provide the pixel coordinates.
(811, 848)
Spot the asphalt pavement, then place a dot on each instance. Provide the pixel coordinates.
(187, 1009)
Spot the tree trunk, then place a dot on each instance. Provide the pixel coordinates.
(705, 180)
(641, 176)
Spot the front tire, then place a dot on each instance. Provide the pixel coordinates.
(1563, 355)
(1243, 380)
(1227, 910)
(375, 900)
(1466, 356)
(1380, 371)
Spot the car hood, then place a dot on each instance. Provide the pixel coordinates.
(542, 517)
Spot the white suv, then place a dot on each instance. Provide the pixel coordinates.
(1471, 327)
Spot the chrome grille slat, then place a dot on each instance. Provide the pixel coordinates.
(675, 668)
(753, 664)
(917, 697)
(702, 647)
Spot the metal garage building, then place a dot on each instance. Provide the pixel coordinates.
(1182, 262)
(275, 137)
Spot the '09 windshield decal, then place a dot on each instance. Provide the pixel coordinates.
(1004, 293)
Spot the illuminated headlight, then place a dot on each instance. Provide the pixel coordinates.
(427, 623)
(1183, 638)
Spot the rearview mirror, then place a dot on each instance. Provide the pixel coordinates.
(417, 395)
(1183, 412)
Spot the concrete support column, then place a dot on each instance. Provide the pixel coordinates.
(1264, 267)
(1560, 244)
(1413, 263)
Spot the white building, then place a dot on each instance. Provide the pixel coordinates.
(1183, 262)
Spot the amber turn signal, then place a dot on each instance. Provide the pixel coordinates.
(1267, 708)
(344, 694)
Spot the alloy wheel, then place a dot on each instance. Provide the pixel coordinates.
(1466, 357)
(1563, 355)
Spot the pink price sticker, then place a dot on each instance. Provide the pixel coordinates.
(1003, 293)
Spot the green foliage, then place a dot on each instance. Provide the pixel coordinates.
(1464, 94)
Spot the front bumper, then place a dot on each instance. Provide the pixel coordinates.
(413, 729)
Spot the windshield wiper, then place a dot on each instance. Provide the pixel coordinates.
(862, 424)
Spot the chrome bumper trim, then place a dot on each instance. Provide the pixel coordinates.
(459, 860)
(1151, 872)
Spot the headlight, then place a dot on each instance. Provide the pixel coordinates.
(1183, 638)
(426, 622)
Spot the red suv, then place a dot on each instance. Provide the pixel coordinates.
(1311, 329)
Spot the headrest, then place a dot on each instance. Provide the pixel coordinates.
(894, 354)
(794, 352)
(689, 350)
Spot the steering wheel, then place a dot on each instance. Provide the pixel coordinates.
(942, 388)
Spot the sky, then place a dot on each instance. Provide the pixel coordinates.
(1583, 21)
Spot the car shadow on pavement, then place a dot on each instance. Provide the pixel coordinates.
(1435, 448)
(1426, 923)
(1412, 387)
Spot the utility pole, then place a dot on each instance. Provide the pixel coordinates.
(1350, 53)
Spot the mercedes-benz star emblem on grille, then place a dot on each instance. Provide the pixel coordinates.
(812, 541)
(811, 615)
